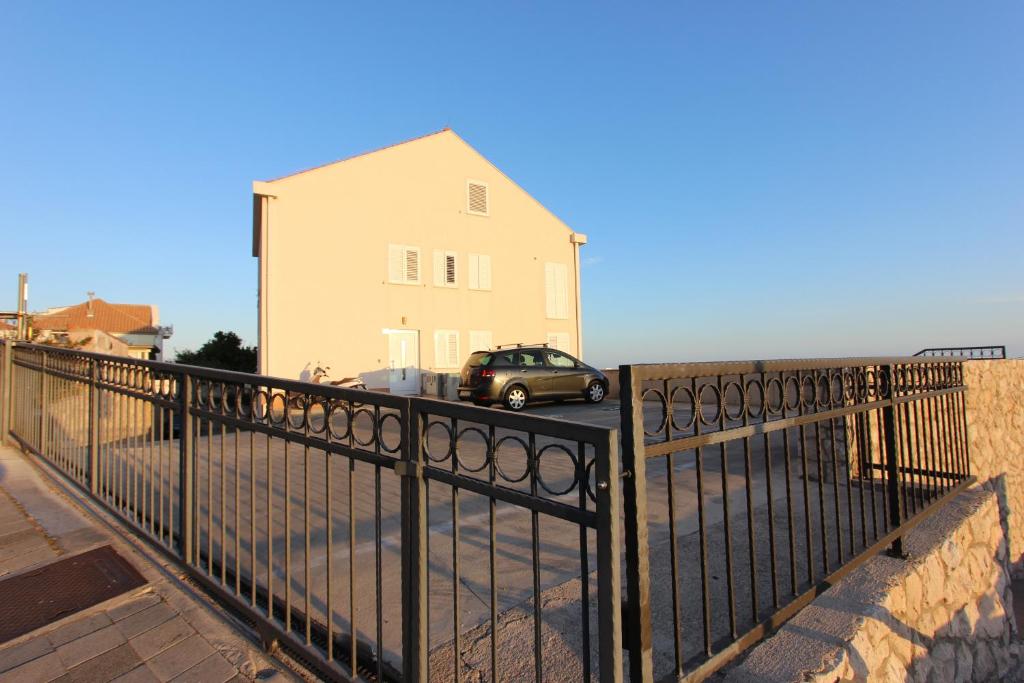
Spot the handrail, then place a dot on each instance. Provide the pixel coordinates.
(965, 352)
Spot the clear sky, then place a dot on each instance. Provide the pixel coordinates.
(759, 179)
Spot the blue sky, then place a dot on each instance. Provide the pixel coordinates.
(756, 179)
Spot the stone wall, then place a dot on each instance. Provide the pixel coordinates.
(943, 614)
(995, 427)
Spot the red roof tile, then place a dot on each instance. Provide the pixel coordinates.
(113, 318)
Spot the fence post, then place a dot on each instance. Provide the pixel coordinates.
(414, 548)
(5, 390)
(637, 620)
(609, 569)
(892, 466)
(43, 408)
(185, 474)
(94, 427)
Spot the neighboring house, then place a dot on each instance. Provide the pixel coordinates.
(407, 259)
(8, 330)
(121, 329)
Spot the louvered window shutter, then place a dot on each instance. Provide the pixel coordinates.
(478, 200)
(449, 269)
(453, 349)
(412, 264)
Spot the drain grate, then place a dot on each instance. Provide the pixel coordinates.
(44, 595)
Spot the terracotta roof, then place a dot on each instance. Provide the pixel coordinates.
(112, 318)
(362, 154)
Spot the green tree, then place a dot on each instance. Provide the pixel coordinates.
(224, 351)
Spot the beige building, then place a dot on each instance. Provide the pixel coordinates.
(403, 261)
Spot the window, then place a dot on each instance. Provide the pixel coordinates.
(556, 290)
(479, 340)
(477, 200)
(403, 264)
(559, 360)
(479, 271)
(445, 268)
(446, 349)
(531, 358)
(559, 340)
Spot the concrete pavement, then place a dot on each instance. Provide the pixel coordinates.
(162, 631)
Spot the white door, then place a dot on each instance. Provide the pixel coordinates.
(404, 361)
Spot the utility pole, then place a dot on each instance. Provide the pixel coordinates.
(22, 332)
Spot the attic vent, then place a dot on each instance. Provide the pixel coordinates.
(477, 194)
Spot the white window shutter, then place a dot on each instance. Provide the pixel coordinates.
(559, 340)
(556, 290)
(439, 349)
(549, 290)
(438, 268)
(412, 264)
(563, 291)
(453, 349)
(446, 349)
(485, 272)
(480, 340)
(474, 271)
(396, 256)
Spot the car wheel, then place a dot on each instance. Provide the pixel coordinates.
(516, 397)
(595, 392)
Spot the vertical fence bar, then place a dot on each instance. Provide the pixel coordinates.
(415, 633)
(634, 505)
(185, 473)
(7, 391)
(94, 428)
(892, 468)
(43, 408)
(609, 591)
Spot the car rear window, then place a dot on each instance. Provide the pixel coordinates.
(479, 358)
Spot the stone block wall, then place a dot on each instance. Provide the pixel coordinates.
(995, 427)
(943, 614)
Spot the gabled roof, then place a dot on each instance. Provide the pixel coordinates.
(361, 154)
(260, 187)
(99, 315)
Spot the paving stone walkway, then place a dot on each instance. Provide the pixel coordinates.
(163, 631)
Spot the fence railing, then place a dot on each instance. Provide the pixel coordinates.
(382, 537)
(751, 487)
(966, 352)
(376, 537)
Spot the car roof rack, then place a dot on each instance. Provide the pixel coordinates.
(518, 345)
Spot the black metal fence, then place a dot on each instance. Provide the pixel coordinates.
(751, 487)
(381, 537)
(966, 352)
(372, 535)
